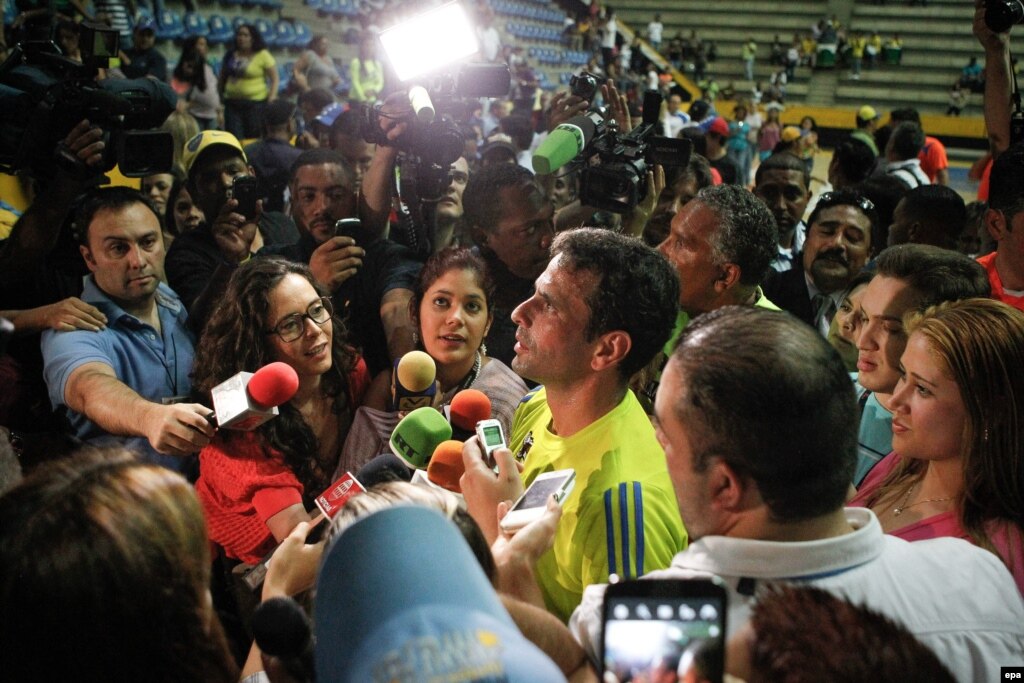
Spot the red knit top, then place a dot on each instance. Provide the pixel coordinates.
(240, 487)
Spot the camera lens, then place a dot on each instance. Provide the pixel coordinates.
(1000, 15)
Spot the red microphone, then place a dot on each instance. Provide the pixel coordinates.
(248, 399)
(468, 407)
(446, 468)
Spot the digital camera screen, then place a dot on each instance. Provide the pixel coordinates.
(662, 638)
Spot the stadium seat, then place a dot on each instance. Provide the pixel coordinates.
(196, 25)
(220, 29)
(302, 34)
(285, 33)
(266, 30)
(169, 25)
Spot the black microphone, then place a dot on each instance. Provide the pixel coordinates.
(282, 629)
(385, 467)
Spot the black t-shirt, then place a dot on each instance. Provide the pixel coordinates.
(194, 257)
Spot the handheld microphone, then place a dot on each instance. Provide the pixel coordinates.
(446, 467)
(282, 629)
(248, 399)
(565, 142)
(467, 407)
(421, 104)
(416, 437)
(337, 494)
(383, 468)
(412, 382)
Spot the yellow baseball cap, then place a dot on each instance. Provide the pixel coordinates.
(204, 141)
(790, 133)
(867, 113)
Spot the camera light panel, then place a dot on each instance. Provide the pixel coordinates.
(429, 41)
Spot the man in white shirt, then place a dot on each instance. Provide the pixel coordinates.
(901, 151)
(757, 418)
(654, 31)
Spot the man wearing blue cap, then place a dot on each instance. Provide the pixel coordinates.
(143, 59)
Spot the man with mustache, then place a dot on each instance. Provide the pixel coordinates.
(838, 245)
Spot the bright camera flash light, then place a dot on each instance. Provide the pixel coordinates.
(429, 41)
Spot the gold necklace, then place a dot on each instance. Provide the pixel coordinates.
(898, 510)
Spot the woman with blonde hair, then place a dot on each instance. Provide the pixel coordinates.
(957, 466)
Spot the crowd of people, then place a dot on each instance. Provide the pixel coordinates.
(808, 398)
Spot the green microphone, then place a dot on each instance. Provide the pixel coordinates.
(418, 434)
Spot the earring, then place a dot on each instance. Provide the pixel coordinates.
(415, 338)
(483, 348)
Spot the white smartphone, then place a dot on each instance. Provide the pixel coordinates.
(492, 437)
(534, 500)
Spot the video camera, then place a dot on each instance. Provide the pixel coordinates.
(618, 181)
(423, 51)
(434, 140)
(43, 95)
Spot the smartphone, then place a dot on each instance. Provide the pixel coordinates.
(348, 227)
(534, 500)
(661, 628)
(245, 190)
(492, 437)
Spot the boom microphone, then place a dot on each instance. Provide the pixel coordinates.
(417, 436)
(412, 382)
(248, 399)
(565, 142)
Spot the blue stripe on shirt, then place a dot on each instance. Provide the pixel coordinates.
(624, 524)
(638, 520)
(610, 531)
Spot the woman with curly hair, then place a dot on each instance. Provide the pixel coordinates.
(957, 466)
(257, 486)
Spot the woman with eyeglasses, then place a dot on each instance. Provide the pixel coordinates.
(255, 487)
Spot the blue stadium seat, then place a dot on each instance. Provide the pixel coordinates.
(220, 29)
(302, 34)
(169, 25)
(285, 33)
(266, 30)
(315, 4)
(330, 7)
(284, 75)
(196, 25)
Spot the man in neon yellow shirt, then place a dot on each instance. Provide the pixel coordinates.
(600, 311)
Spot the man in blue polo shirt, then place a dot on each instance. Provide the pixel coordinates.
(112, 384)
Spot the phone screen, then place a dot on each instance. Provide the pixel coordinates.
(492, 436)
(663, 638)
(539, 492)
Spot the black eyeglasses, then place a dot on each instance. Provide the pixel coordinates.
(291, 326)
(839, 198)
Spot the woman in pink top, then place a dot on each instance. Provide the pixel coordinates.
(957, 467)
